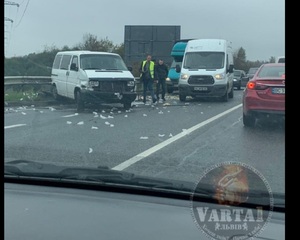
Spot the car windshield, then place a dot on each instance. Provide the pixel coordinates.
(88, 98)
(237, 73)
(252, 70)
(272, 71)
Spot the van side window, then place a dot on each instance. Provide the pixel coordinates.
(65, 62)
(57, 61)
(75, 61)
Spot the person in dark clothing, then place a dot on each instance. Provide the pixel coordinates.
(161, 72)
(147, 69)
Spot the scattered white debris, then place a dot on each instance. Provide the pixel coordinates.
(107, 123)
(201, 112)
(161, 135)
(41, 111)
(69, 122)
(160, 112)
(51, 108)
(21, 99)
(32, 106)
(187, 103)
(126, 116)
(171, 135)
(90, 150)
(95, 113)
(144, 115)
(23, 113)
(119, 111)
(143, 138)
(110, 116)
(111, 125)
(103, 117)
(80, 123)
(94, 127)
(103, 111)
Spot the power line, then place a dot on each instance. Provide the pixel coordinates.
(23, 14)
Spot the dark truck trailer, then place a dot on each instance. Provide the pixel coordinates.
(156, 40)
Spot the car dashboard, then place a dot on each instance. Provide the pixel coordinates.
(50, 212)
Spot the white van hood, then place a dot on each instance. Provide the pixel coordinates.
(108, 74)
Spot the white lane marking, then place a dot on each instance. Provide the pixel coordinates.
(13, 126)
(71, 115)
(163, 144)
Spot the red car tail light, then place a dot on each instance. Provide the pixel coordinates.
(256, 86)
(251, 85)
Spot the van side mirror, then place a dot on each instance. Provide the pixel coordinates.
(230, 69)
(178, 68)
(74, 67)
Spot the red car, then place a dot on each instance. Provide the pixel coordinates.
(264, 95)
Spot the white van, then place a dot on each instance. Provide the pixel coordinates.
(207, 70)
(280, 59)
(92, 77)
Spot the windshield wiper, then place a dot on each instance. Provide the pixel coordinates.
(104, 176)
(24, 169)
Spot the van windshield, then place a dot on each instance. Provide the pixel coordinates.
(204, 60)
(102, 62)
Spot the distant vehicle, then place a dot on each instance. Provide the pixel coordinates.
(264, 95)
(92, 77)
(206, 70)
(251, 72)
(280, 59)
(238, 75)
(177, 54)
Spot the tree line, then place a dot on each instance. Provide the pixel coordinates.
(39, 64)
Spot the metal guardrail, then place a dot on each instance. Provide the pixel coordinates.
(27, 80)
(14, 80)
(10, 81)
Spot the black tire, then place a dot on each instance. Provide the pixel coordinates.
(170, 89)
(127, 105)
(231, 93)
(55, 94)
(249, 121)
(182, 97)
(239, 86)
(79, 101)
(225, 97)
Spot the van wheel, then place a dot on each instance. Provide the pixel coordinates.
(225, 97)
(54, 93)
(170, 89)
(182, 97)
(79, 101)
(127, 105)
(231, 93)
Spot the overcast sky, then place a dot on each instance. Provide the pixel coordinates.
(256, 25)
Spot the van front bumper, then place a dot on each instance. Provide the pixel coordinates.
(104, 97)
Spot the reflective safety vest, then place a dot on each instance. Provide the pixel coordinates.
(151, 68)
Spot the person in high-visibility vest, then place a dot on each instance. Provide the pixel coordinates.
(147, 77)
